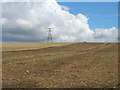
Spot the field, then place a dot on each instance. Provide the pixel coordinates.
(29, 46)
(60, 65)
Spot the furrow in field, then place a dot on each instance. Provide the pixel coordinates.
(76, 65)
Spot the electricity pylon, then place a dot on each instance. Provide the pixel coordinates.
(49, 38)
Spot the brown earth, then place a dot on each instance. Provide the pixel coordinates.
(77, 65)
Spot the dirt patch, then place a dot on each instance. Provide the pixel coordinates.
(79, 65)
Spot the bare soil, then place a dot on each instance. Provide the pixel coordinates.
(77, 65)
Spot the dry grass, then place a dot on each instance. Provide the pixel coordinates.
(28, 46)
(77, 65)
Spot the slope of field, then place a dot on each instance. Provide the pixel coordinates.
(77, 65)
(30, 46)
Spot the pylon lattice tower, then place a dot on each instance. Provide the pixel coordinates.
(49, 38)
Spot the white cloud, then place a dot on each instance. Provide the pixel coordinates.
(28, 23)
(65, 8)
(110, 34)
(3, 21)
(23, 23)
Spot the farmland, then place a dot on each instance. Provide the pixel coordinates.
(28, 46)
(60, 65)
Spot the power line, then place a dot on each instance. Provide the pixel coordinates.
(49, 38)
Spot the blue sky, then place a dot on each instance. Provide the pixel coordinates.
(100, 14)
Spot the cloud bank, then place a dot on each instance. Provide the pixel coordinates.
(27, 22)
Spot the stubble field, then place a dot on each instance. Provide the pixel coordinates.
(66, 65)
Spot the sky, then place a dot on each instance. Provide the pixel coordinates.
(72, 22)
(97, 12)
